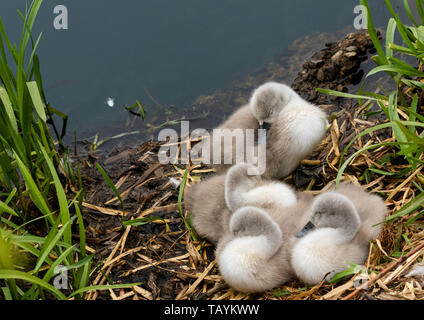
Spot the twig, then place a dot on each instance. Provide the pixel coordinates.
(211, 292)
(382, 273)
(193, 287)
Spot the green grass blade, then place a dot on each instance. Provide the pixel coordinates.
(81, 229)
(49, 245)
(420, 10)
(8, 108)
(179, 205)
(392, 68)
(390, 36)
(413, 112)
(61, 196)
(373, 34)
(409, 13)
(414, 218)
(382, 172)
(413, 83)
(98, 144)
(50, 273)
(36, 98)
(36, 196)
(139, 106)
(408, 135)
(80, 263)
(401, 49)
(141, 221)
(14, 274)
(6, 293)
(105, 287)
(405, 34)
(346, 95)
(413, 205)
(5, 208)
(112, 186)
(8, 43)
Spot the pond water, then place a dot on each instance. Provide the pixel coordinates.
(164, 50)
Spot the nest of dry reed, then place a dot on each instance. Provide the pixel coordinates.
(169, 264)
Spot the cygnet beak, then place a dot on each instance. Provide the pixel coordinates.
(265, 126)
(306, 229)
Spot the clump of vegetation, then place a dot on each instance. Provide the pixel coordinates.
(400, 106)
(400, 161)
(33, 171)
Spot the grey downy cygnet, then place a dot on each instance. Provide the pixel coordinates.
(294, 128)
(252, 258)
(255, 256)
(294, 133)
(211, 201)
(342, 222)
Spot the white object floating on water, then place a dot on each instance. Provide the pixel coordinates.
(110, 102)
(417, 271)
(175, 183)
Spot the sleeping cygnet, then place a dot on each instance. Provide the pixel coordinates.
(252, 258)
(294, 128)
(342, 222)
(255, 255)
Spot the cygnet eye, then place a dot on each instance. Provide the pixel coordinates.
(330, 213)
(318, 214)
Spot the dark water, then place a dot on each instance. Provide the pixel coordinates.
(175, 50)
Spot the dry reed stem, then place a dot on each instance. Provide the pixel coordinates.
(382, 273)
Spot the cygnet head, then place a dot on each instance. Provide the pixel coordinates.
(333, 210)
(254, 222)
(268, 101)
(240, 178)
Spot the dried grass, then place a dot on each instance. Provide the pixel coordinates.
(190, 266)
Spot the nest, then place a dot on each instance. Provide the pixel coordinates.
(170, 264)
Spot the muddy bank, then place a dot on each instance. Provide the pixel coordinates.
(161, 253)
(335, 67)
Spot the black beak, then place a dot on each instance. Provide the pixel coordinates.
(266, 126)
(306, 229)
